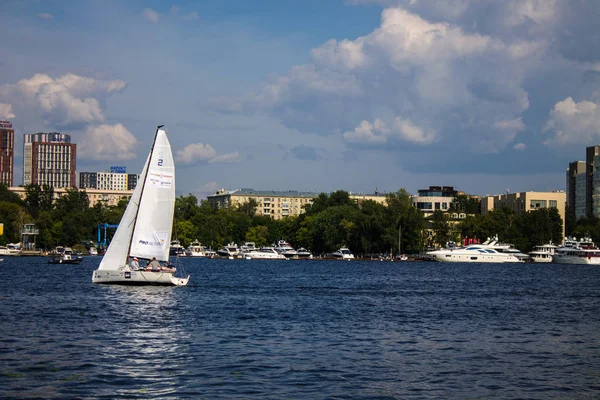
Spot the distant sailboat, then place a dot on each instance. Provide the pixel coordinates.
(145, 228)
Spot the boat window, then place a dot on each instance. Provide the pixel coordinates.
(473, 258)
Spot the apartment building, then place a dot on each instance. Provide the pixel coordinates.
(523, 202)
(7, 151)
(49, 159)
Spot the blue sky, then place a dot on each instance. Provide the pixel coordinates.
(312, 95)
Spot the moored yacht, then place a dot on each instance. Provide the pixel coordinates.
(176, 249)
(343, 253)
(264, 253)
(543, 253)
(285, 249)
(574, 251)
(302, 253)
(229, 251)
(195, 249)
(473, 253)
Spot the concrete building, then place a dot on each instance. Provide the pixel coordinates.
(523, 202)
(7, 151)
(435, 198)
(107, 180)
(106, 197)
(49, 159)
(278, 204)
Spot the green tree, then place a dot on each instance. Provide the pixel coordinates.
(258, 235)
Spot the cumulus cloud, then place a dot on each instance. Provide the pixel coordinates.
(67, 101)
(150, 15)
(377, 133)
(519, 146)
(196, 153)
(449, 84)
(108, 142)
(572, 123)
(45, 16)
(368, 133)
(6, 111)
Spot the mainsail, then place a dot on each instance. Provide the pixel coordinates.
(145, 228)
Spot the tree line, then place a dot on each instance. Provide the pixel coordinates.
(329, 222)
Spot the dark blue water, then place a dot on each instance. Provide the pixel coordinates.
(302, 329)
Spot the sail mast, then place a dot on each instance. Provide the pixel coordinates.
(142, 193)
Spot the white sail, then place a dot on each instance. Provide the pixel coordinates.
(117, 252)
(152, 232)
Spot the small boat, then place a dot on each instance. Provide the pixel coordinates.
(93, 251)
(64, 255)
(145, 228)
(343, 253)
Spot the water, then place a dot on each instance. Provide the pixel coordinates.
(302, 330)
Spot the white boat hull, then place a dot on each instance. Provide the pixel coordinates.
(479, 258)
(128, 277)
(567, 259)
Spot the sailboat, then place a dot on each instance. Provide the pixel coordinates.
(145, 228)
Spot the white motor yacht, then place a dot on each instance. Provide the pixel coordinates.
(285, 249)
(195, 249)
(343, 253)
(9, 251)
(302, 253)
(176, 249)
(574, 251)
(543, 253)
(229, 251)
(482, 253)
(264, 253)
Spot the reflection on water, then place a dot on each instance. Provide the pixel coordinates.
(250, 329)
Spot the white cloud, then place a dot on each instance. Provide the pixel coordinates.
(450, 85)
(198, 153)
(6, 111)
(108, 142)
(45, 16)
(519, 146)
(368, 133)
(573, 123)
(377, 133)
(150, 15)
(67, 101)
(412, 133)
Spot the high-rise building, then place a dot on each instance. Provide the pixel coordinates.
(49, 159)
(576, 189)
(7, 150)
(132, 180)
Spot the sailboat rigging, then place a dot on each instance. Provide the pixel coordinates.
(146, 226)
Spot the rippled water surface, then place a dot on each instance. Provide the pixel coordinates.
(302, 329)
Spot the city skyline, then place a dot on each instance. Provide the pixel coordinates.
(356, 95)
